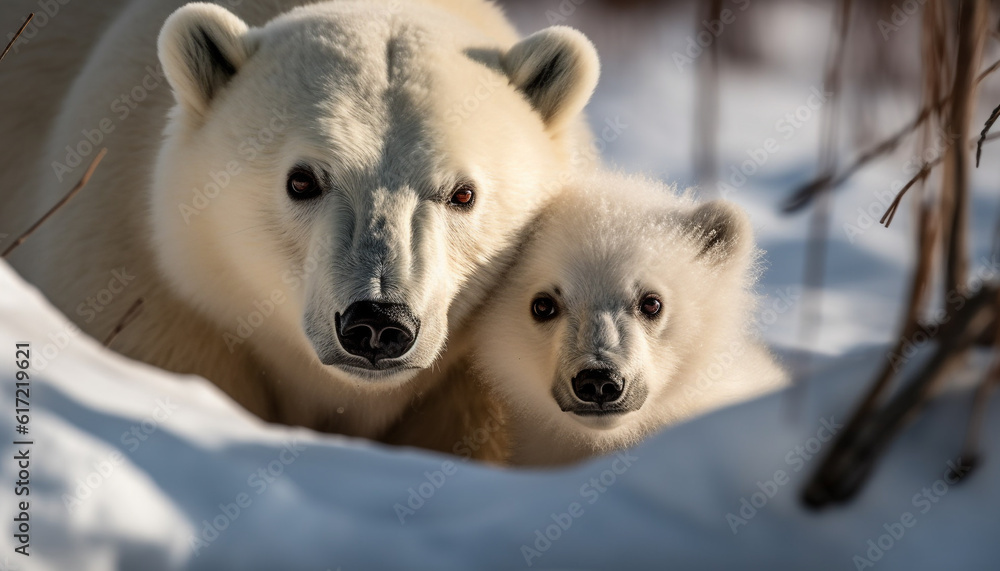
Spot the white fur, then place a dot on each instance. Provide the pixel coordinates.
(377, 93)
(598, 250)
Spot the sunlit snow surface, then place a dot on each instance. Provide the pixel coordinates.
(102, 499)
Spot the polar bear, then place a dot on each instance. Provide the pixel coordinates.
(309, 195)
(627, 309)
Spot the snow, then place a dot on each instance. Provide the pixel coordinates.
(153, 459)
(329, 502)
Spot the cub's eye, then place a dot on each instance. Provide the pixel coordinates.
(543, 308)
(463, 196)
(302, 185)
(650, 306)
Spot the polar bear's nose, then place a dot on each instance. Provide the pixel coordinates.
(376, 330)
(597, 386)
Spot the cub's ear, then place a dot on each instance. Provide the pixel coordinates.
(721, 232)
(556, 69)
(201, 47)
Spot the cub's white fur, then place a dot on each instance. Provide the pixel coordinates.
(391, 104)
(595, 255)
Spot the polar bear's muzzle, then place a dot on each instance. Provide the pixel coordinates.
(377, 331)
(599, 392)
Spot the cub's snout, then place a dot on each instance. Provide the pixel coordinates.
(598, 386)
(599, 392)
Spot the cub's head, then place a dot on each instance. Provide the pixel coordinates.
(618, 289)
(353, 168)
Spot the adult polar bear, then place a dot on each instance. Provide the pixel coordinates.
(326, 202)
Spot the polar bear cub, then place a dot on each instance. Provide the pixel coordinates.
(627, 310)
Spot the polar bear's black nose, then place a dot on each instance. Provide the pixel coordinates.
(597, 386)
(376, 330)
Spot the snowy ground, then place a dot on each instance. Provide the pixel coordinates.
(132, 468)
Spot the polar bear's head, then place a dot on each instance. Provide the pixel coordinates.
(336, 184)
(618, 291)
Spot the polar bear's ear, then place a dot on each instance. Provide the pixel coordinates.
(721, 231)
(201, 47)
(556, 69)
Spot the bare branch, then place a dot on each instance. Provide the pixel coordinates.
(707, 106)
(970, 449)
(925, 170)
(955, 190)
(986, 129)
(803, 195)
(922, 175)
(858, 446)
(79, 185)
(130, 315)
(16, 36)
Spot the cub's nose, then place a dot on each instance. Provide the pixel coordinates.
(376, 330)
(597, 386)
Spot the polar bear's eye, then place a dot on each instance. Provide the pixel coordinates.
(463, 196)
(302, 185)
(543, 308)
(650, 306)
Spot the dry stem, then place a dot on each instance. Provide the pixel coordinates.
(16, 36)
(79, 185)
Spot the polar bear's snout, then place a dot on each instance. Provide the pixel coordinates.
(377, 331)
(605, 393)
(598, 386)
